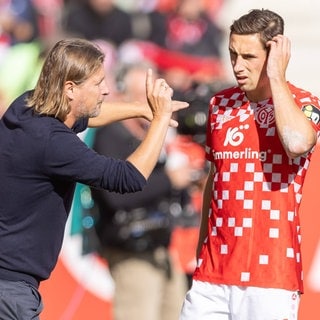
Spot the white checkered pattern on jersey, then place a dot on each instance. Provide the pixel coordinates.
(254, 225)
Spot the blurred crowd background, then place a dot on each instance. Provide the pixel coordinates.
(185, 42)
(185, 39)
(182, 38)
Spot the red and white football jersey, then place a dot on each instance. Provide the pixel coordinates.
(254, 230)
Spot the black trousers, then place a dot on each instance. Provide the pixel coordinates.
(19, 301)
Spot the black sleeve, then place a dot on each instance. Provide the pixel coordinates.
(67, 158)
(114, 140)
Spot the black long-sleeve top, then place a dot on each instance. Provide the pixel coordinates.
(41, 159)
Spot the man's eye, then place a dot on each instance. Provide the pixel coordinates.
(248, 56)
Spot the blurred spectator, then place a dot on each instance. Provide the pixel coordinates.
(148, 23)
(212, 7)
(4, 36)
(49, 17)
(97, 19)
(186, 28)
(188, 148)
(19, 49)
(18, 21)
(183, 150)
(192, 31)
(184, 42)
(19, 70)
(135, 230)
(137, 5)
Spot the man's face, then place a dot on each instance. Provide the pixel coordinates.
(89, 95)
(248, 59)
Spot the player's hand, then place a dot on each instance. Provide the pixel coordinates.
(279, 56)
(159, 97)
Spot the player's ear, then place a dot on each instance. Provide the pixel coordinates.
(69, 89)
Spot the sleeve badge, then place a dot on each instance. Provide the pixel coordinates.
(312, 113)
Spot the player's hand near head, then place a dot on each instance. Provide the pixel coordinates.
(278, 58)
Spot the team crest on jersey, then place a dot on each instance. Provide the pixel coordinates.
(265, 116)
(312, 113)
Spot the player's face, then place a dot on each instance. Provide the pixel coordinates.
(248, 59)
(91, 94)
